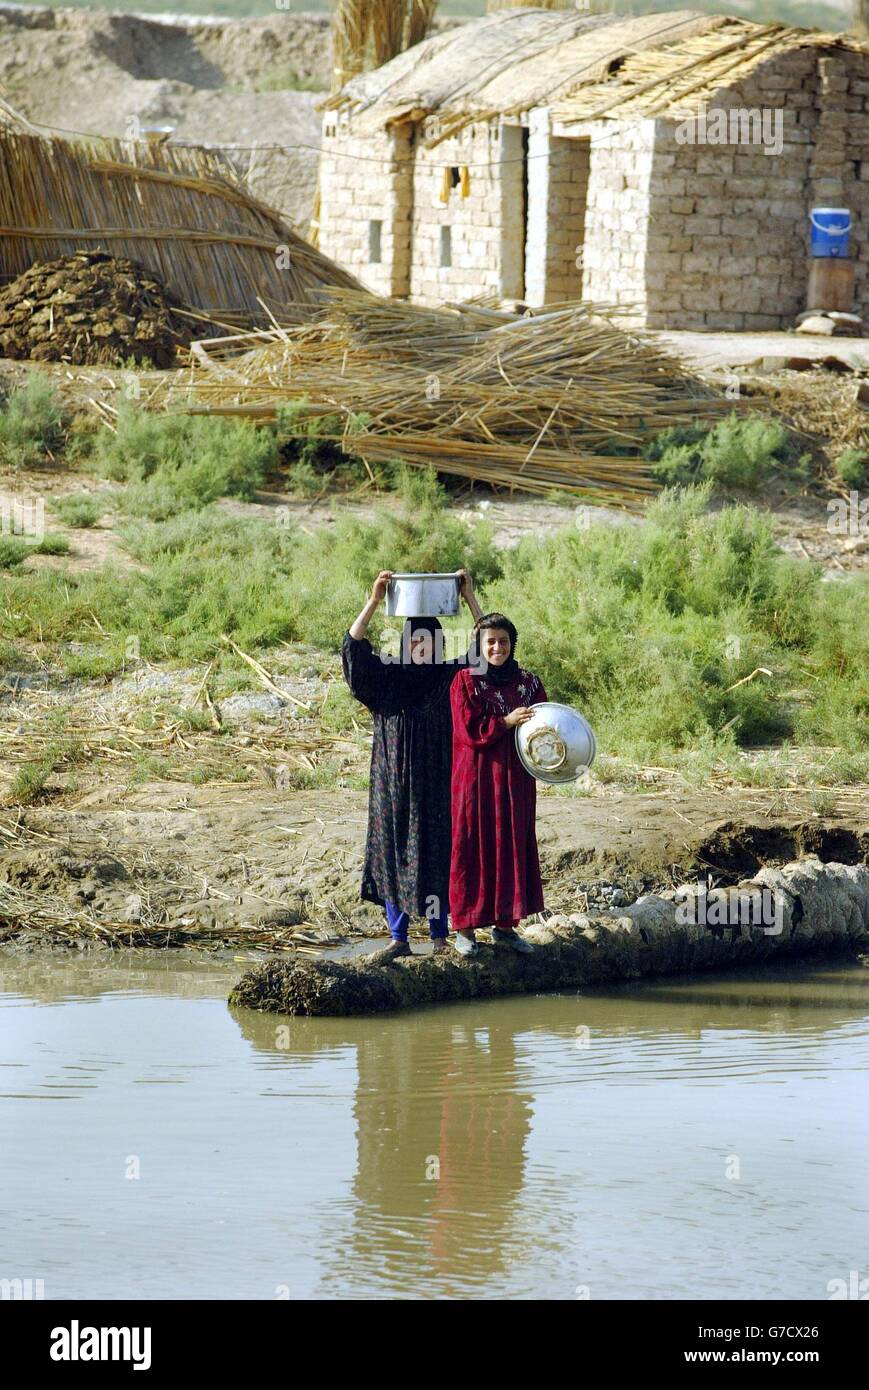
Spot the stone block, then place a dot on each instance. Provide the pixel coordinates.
(727, 321)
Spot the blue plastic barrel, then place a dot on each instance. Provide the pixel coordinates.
(830, 228)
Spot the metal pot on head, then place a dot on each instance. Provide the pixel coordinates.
(422, 596)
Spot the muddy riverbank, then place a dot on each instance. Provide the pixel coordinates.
(219, 866)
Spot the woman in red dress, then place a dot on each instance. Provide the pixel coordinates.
(494, 870)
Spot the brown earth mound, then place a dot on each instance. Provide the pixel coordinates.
(819, 909)
(91, 308)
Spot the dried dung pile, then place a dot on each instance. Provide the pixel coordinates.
(91, 308)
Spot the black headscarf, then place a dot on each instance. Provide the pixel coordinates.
(412, 628)
(412, 682)
(509, 669)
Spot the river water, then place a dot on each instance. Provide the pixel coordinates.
(701, 1138)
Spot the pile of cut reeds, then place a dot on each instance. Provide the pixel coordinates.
(558, 399)
(177, 211)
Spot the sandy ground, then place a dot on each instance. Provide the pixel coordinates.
(93, 72)
(769, 350)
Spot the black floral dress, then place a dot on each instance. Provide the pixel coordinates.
(407, 851)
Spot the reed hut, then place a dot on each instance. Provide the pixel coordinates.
(179, 211)
(665, 163)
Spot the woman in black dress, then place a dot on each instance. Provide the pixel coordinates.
(407, 851)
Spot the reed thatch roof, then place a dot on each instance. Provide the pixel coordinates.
(178, 211)
(580, 66)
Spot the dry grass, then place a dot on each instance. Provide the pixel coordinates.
(562, 399)
(178, 211)
(819, 404)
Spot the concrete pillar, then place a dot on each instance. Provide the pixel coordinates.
(511, 183)
(537, 220)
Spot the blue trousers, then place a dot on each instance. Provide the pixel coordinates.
(399, 922)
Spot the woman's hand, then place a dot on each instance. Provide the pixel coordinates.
(518, 716)
(466, 589)
(359, 627)
(378, 588)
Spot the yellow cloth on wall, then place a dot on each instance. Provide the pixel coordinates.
(446, 185)
(465, 181)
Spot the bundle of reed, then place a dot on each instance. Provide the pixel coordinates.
(561, 399)
(176, 211)
(368, 33)
(821, 404)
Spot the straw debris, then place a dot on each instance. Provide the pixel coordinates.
(560, 399)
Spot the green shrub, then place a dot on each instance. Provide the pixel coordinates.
(852, 467)
(31, 425)
(174, 463)
(52, 545)
(95, 662)
(650, 629)
(677, 454)
(744, 451)
(313, 457)
(78, 511)
(30, 781)
(741, 451)
(12, 551)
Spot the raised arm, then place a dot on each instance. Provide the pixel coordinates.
(466, 589)
(364, 672)
(359, 627)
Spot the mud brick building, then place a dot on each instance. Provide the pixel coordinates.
(665, 164)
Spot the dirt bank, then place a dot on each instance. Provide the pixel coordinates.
(235, 82)
(816, 909)
(218, 864)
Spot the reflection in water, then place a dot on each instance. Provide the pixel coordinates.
(518, 1147)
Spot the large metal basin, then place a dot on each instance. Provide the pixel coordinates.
(557, 744)
(422, 596)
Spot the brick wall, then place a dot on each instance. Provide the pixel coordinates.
(486, 229)
(839, 171)
(558, 172)
(617, 211)
(681, 234)
(365, 179)
(728, 231)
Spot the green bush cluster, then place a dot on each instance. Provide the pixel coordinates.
(175, 463)
(206, 573)
(649, 629)
(31, 425)
(14, 549)
(852, 467)
(741, 451)
(78, 511)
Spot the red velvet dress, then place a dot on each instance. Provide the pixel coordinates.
(494, 870)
